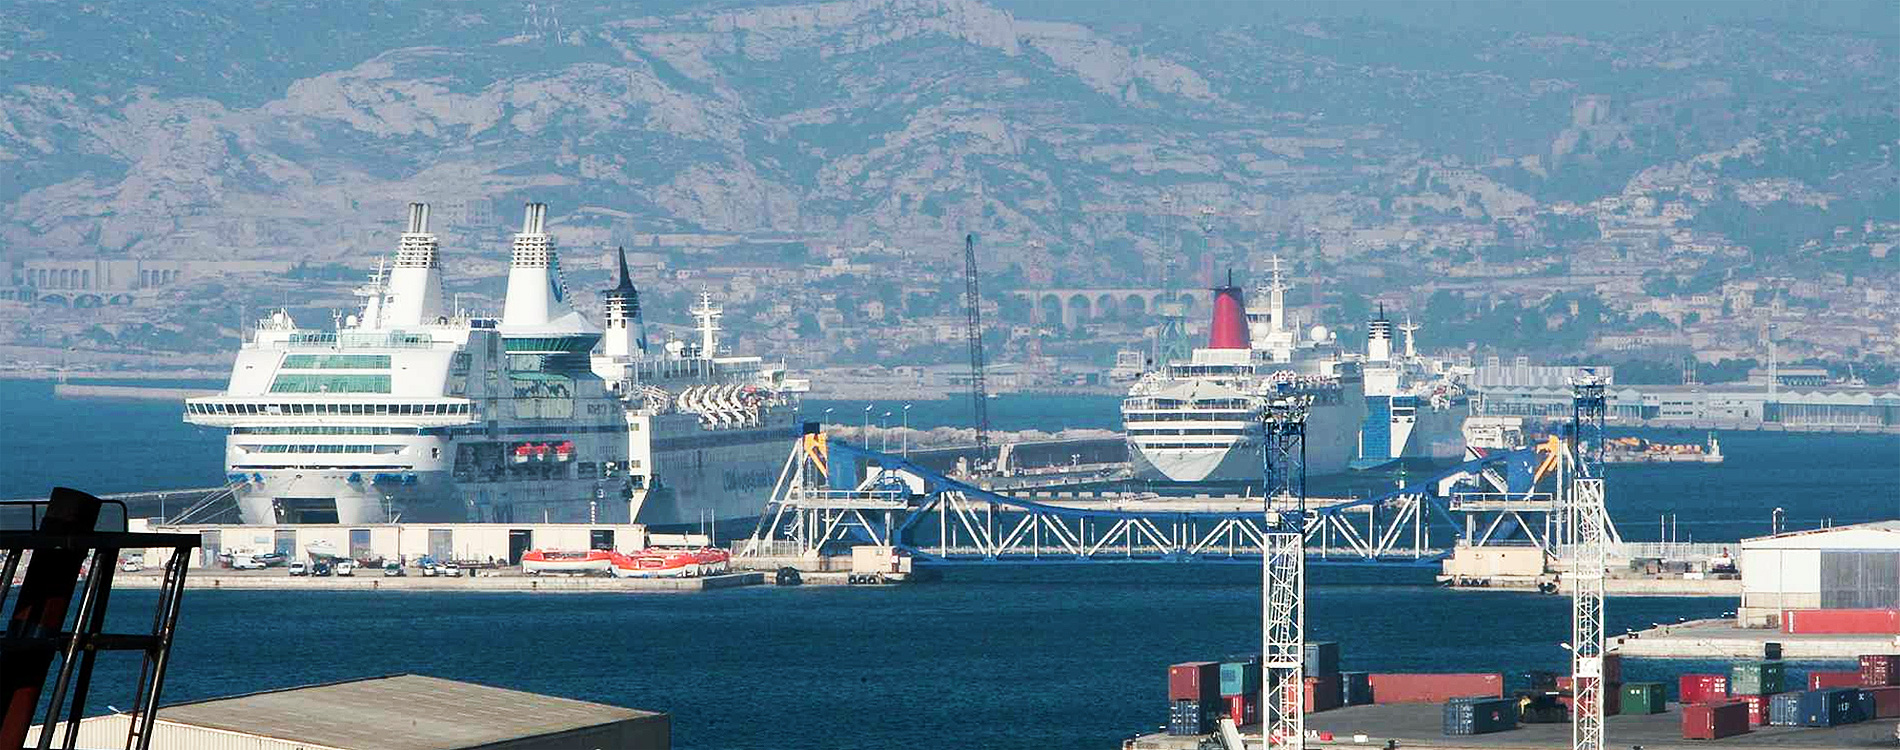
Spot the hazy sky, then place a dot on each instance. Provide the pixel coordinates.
(1879, 17)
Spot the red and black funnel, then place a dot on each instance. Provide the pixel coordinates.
(1230, 320)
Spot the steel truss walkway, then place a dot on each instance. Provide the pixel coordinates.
(831, 495)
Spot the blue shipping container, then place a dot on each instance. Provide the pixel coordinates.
(1480, 715)
(1321, 659)
(1355, 688)
(1832, 707)
(1188, 718)
(1784, 710)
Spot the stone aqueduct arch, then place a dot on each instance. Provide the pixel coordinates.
(1078, 306)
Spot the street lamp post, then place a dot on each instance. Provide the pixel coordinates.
(864, 432)
(826, 419)
(884, 432)
(907, 430)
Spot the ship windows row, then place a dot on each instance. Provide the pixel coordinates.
(1150, 446)
(293, 409)
(309, 383)
(324, 429)
(1137, 432)
(1190, 416)
(307, 448)
(336, 362)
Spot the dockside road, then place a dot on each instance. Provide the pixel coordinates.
(1721, 639)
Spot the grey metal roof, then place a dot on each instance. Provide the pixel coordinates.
(400, 712)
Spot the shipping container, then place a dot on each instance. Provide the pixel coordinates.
(1831, 707)
(1784, 709)
(1239, 678)
(1612, 700)
(1641, 698)
(1807, 621)
(1321, 658)
(1771, 651)
(1868, 707)
(1757, 707)
(1701, 688)
(1355, 688)
(1479, 715)
(1197, 681)
(1542, 707)
(1877, 670)
(1188, 718)
(1433, 688)
(1822, 680)
(1757, 678)
(1613, 668)
(1886, 701)
(1244, 709)
(1714, 721)
(1320, 693)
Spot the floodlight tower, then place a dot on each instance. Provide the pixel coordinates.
(1588, 559)
(1283, 575)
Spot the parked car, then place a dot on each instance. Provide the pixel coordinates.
(299, 568)
(452, 570)
(271, 559)
(320, 568)
(346, 568)
(132, 563)
(393, 570)
(246, 562)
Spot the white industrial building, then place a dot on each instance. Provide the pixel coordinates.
(400, 712)
(407, 542)
(1843, 567)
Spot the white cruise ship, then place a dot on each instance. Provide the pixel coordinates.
(1415, 406)
(411, 411)
(1198, 421)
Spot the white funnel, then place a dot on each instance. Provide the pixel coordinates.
(537, 298)
(415, 285)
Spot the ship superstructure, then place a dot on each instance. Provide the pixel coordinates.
(1415, 405)
(1198, 420)
(412, 411)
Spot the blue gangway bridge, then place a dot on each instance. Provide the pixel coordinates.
(832, 495)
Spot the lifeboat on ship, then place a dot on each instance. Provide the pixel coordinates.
(523, 452)
(564, 451)
(559, 562)
(657, 563)
(712, 560)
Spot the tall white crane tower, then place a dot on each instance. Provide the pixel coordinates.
(1589, 525)
(1283, 576)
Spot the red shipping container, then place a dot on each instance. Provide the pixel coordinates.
(1840, 621)
(1886, 701)
(1701, 688)
(1877, 670)
(1713, 721)
(1434, 688)
(1757, 708)
(1613, 668)
(1243, 709)
(1818, 680)
(1194, 681)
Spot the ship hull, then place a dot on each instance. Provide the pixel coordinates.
(1331, 443)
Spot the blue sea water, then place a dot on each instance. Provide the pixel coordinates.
(1060, 657)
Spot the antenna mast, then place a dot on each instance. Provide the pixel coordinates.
(979, 393)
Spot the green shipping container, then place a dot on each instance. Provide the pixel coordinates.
(1239, 678)
(1642, 698)
(1757, 678)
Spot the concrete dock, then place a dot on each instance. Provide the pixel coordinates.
(276, 579)
(1419, 725)
(1721, 639)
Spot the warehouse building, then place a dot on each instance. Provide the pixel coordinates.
(1843, 567)
(400, 712)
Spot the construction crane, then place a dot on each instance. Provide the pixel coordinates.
(1283, 575)
(1589, 549)
(979, 393)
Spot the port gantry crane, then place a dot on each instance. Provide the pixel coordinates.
(979, 393)
(1590, 536)
(1283, 575)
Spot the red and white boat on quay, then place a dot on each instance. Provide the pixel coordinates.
(559, 562)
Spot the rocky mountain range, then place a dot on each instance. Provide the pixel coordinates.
(296, 131)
